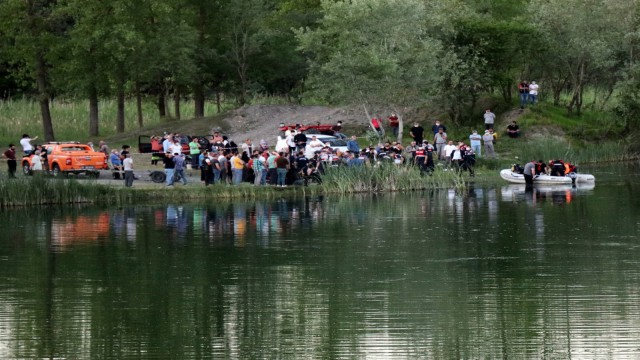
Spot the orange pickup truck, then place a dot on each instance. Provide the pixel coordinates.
(65, 158)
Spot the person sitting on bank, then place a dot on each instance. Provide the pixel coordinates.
(513, 130)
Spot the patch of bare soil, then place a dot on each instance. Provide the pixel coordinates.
(262, 121)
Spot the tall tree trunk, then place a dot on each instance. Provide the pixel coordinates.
(139, 104)
(218, 102)
(120, 108)
(176, 102)
(93, 111)
(162, 107)
(43, 97)
(198, 99)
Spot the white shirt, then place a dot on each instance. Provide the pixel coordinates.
(456, 155)
(533, 89)
(128, 164)
(26, 145)
(175, 148)
(448, 149)
(36, 163)
(489, 117)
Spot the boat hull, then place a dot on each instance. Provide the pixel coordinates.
(516, 178)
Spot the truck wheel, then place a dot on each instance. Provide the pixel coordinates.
(56, 172)
(26, 169)
(93, 174)
(158, 177)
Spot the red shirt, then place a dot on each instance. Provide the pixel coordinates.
(10, 154)
(393, 121)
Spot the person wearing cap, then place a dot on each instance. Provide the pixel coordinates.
(533, 93)
(25, 142)
(488, 144)
(12, 164)
(475, 141)
(489, 119)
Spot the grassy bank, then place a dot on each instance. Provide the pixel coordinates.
(71, 118)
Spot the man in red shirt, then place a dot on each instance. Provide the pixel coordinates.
(394, 124)
(10, 155)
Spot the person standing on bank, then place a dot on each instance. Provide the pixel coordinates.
(417, 133)
(394, 124)
(523, 90)
(489, 119)
(10, 155)
(127, 164)
(475, 140)
(533, 93)
(488, 144)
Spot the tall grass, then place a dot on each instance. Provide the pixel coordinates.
(553, 148)
(42, 190)
(71, 117)
(387, 177)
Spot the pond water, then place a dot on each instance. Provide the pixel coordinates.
(484, 273)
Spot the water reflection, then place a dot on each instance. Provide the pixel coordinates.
(483, 273)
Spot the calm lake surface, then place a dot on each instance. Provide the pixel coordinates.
(486, 273)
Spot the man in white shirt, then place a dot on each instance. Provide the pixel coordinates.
(175, 148)
(127, 163)
(313, 146)
(533, 92)
(448, 149)
(476, 142)
(26, 144)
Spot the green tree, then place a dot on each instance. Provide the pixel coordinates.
(31, 26)
(378, 53)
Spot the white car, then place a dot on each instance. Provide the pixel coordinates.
(333, 142)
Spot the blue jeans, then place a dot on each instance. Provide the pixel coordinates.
(169, 173)
(282, 176)
(216, 176)
(182, 177)
(476, 149)
(263, 181)
(523, 99)
(533, 98)
(236, 176)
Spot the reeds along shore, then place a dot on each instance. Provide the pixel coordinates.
(41, 190)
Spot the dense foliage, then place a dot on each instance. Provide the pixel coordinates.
(445, 54)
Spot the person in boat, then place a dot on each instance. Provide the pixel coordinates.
(541, 168)
(569, 168)
(529, 172)
(557, 167)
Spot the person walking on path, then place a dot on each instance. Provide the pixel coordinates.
(488, 144)
(12, 164)
(127, 164)
(178, 172)
(489, 119)
(475, 141)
